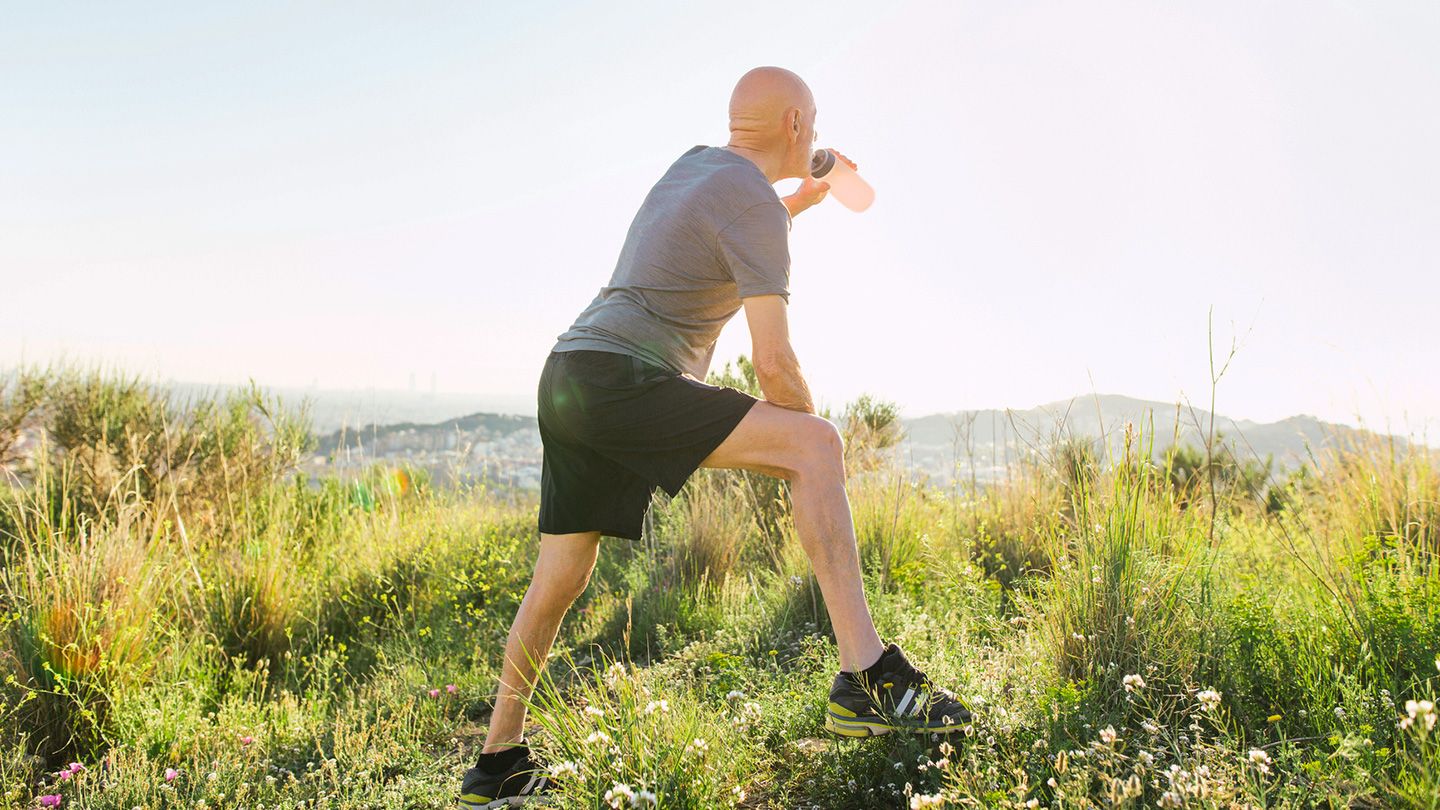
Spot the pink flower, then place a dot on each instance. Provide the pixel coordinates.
(63, 775)
(75, 768)
(171, 774)
(434, 693)
(246, 740)
(50, 800)
(451, 688)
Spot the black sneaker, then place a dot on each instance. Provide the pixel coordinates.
(901, 699)
(512, 787)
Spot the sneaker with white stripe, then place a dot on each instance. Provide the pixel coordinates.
(901, 699)
(513, 787)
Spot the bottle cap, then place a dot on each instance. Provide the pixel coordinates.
(821, 163)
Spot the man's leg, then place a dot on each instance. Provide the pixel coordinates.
(561, 573)
(807, 451)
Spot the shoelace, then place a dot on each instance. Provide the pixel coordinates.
(923, 686)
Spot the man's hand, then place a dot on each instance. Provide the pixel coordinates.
(811, 191)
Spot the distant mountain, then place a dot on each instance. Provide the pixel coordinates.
(946, 442)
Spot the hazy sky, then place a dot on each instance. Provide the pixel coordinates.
(347, 194)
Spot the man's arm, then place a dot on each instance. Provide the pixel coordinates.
(775, 363)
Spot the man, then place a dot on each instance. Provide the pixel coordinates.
(623, 409)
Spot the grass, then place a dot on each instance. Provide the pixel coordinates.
(203, 630)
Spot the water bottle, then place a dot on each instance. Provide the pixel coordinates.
(845, 185)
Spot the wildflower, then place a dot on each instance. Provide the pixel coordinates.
(645, 798)
(564, 770)
(1260, 760)
(247, 740)
(614, 674)
(619, 795)
(1133, 682)
(734, 695)
(1339, 712)
(434, 693)
(947, 749)
(921, 800)
(1170, 799)
(597, 737)
(451, 688)
(1209, 700)
(1419, 711)
(50, 800)
(661, 706)
(738, 793)
(594, 711)
(698, 746)
(171, 774)
(74, 768)
(1108, 735)
(1146, 758)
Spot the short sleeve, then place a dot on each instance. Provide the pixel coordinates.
(755, 248)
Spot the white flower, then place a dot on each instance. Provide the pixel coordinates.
(619, 795)
(1170, 799)
(738, 793)
(921, 800)
(661, 706)
(1133, 682)
(563, 770)
(1209, 700)
(697, 746)
(615, 673)
(1420, 711)
(1150, 728)
(645, 798)
(734, 695)
(1146, 758)
(597, 737)
(594, 711)
(1108, 735)
(1260, 760)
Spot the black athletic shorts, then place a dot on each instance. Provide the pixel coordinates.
(615, 427)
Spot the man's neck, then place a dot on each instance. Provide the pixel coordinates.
(762, 160)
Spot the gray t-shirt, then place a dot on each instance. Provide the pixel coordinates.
(711, 232)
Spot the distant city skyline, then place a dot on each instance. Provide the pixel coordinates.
(423, 199)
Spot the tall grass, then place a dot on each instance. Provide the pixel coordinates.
(175, 597)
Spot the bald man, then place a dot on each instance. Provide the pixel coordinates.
(623, 409)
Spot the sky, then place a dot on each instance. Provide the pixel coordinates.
(362, 195)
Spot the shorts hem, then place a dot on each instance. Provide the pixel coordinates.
(693, 464)
(622, 534)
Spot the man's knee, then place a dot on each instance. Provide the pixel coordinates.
(820, 449)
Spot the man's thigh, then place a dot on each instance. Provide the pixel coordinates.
(772, 440)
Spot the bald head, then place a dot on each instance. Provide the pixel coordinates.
(773, 112)
(767, 103)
